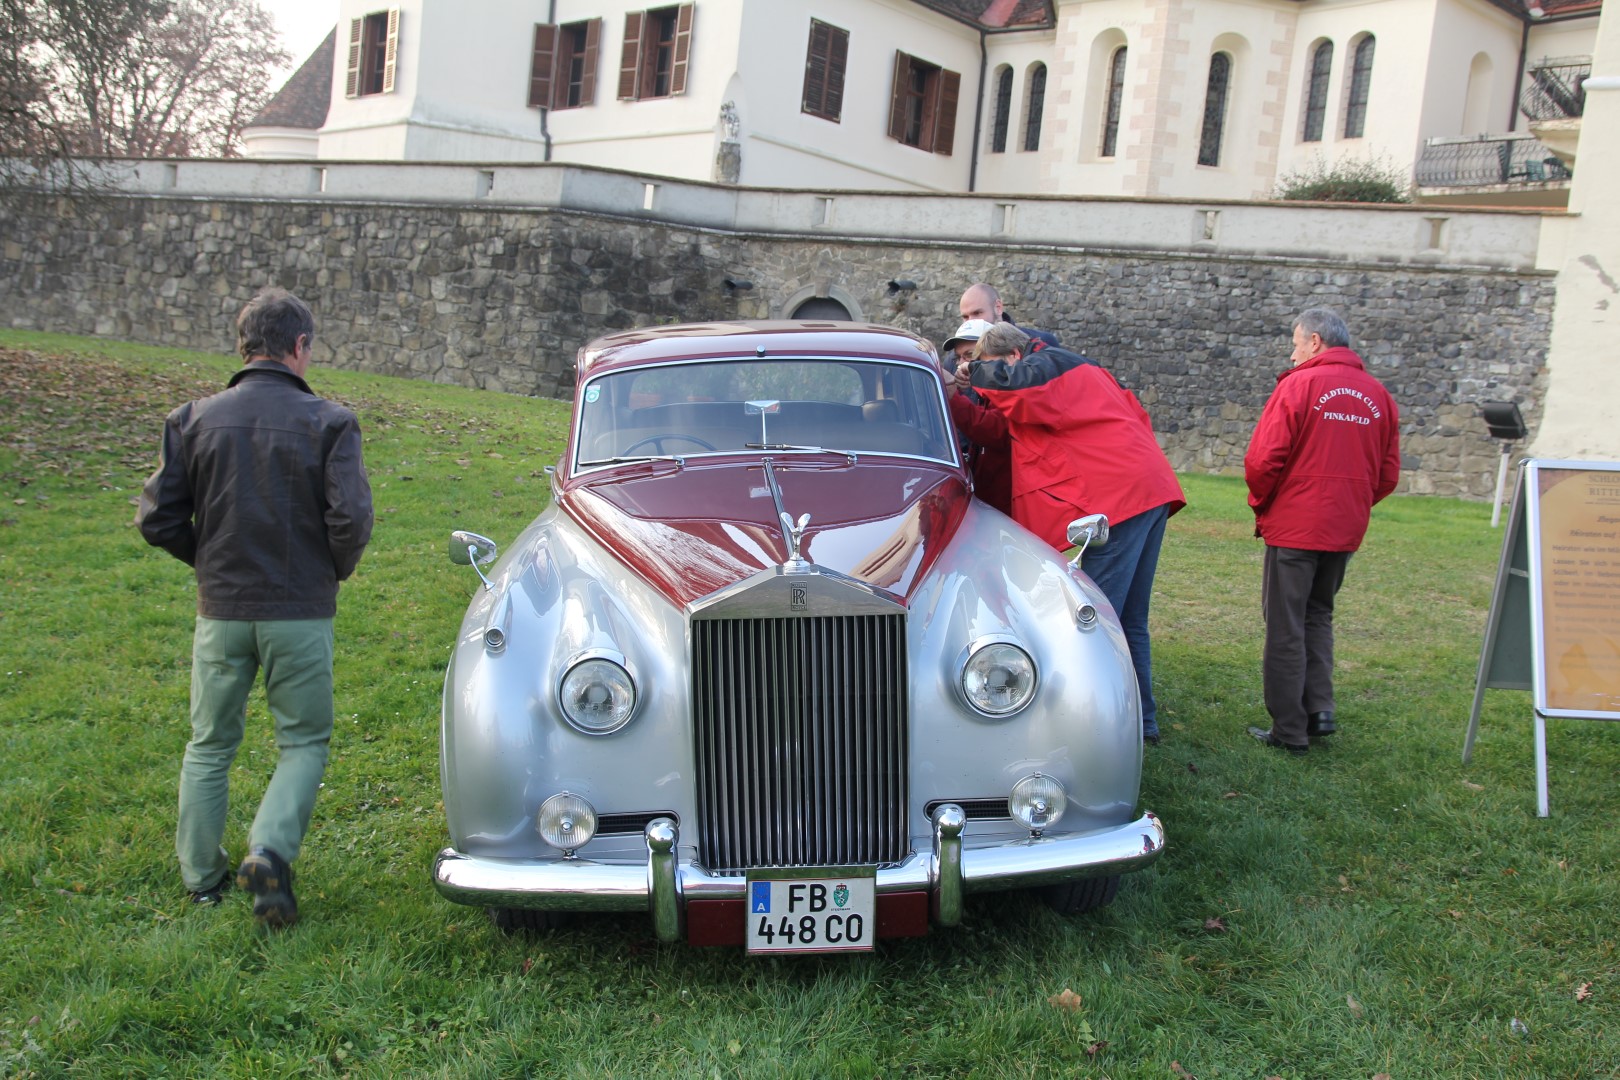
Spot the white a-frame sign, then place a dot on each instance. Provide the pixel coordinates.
(1554, 626)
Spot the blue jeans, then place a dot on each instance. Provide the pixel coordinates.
(1123, 569)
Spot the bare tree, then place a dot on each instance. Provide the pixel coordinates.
(131, 78)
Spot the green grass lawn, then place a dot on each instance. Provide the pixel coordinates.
(1373, 908)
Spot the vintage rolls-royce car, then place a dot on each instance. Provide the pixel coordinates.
(767, 671)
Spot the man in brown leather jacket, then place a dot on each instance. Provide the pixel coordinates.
(262, 490)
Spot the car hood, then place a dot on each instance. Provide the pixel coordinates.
(695, 528)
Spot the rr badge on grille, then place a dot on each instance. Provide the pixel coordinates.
(799, 598)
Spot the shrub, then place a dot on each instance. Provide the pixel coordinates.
(1370, 180)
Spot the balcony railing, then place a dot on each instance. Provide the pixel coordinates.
(1555, 89)
(1487, 160)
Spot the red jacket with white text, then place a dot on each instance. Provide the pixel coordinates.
(1081, 443)
(1326, 449)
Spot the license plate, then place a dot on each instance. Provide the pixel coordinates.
(816, 909)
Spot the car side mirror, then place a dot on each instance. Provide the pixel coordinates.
(1086, 531)
(470, 549)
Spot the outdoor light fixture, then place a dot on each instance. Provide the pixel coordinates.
(902, 285)
(1503, 421)
(737, 284)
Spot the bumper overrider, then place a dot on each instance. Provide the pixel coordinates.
(664, 886)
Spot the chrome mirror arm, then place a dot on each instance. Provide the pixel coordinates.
(472, 558)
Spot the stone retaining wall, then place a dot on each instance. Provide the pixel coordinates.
(501, 297)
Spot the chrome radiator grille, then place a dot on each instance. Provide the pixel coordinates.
(801, 727)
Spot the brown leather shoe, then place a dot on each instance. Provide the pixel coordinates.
(267, 876)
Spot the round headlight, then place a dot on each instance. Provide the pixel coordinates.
(998, 679)
(597, 696)
(1037, 802)
(566, 821)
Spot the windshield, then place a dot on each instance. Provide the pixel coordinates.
(731, 406)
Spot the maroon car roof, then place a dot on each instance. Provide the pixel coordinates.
(695, 341)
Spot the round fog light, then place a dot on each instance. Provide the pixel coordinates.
(1037, 802)
(566, 821)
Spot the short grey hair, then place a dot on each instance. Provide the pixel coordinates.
(1326, 324)
(271, 324)
(1003, 339)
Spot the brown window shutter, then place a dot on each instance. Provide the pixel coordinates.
(837, 60)
(683, 49)
(593, 45)
(541, 64)
(351, 87)
(630, 58)
(897, 97)
(391, 57)
(950, 89)
(815, 69)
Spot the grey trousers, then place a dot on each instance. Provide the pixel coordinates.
(296, 655)
(1296, 600)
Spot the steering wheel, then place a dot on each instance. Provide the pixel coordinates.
(658, 442)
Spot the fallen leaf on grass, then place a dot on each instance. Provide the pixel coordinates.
(1068, 1000)
(1380, 1076)
(1455, 914)
(1355, 1006)
(1344, 884)
(1233, 795)
(1096, 1048)
(1471, 786)
(1191, 767)
(1584, 992)
(1215, 926)
(1175, 1067)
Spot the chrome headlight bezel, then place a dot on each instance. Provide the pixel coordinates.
(610, 670)
(979, 659)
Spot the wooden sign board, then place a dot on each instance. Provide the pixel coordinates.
(1554, 623)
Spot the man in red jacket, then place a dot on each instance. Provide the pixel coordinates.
(1081, 444)
(1326, 449)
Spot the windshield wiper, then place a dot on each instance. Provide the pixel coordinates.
(847, 454)
(676, 458)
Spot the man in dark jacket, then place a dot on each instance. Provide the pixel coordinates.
(1326, 449)
(981, 301)
(262, 490)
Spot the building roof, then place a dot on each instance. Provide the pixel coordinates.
(997, 14)
(303, 101)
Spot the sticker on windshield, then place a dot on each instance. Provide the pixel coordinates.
(591, 394)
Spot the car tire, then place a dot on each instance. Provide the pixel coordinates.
(1079, 897)
(526, 920)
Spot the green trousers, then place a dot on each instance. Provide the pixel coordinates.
(226, 655)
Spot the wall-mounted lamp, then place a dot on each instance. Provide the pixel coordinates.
(737, 284)
(1504, 422)
(902, 286)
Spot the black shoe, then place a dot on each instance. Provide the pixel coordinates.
(211, 896)
(1319, 724)
(268, 877)
(1151, 739)
(1268, 739)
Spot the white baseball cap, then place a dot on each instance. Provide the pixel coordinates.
(972, 330)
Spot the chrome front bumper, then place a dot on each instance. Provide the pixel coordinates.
(662, 885)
